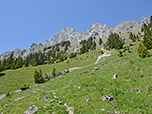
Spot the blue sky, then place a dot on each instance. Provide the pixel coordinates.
(25, 21)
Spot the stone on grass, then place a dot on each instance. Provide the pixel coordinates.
(87, 99)
(107, 98)
(2, 96)
(18, 91)
(60, 102)
(46, 98)
(19, 98)
(31, 110)
(115, 76)
(6, 105)
(102, 109)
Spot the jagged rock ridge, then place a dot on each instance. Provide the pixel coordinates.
(97, 30)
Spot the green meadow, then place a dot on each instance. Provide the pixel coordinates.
(82, 88)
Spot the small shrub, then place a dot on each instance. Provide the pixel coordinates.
(24, 87)
(120, 54)
(8, 94)
(131, 62)
(46, 76)
(67, 61)
(38, 76)
(142, 75)
(53, 73)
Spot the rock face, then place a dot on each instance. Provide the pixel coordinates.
(97, 30)
(144, 20)
(126, 26)
(64, 35)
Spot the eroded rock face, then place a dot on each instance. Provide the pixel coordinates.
(126, 26)
(144, 20)
(65, 35)
(99, 30)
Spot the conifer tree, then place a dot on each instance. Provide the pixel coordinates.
(9, 61)
(53, 73)
(142, 51)
(38, 76)
(19, 63)
(34, 63)
(100, 41)
(1, 67)
(114, 41)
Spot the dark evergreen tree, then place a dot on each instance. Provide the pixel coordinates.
(34, 62)
(94, 45)
(72, 55)
(142, 51)
(132, 37)
(19, 63)
(53, 73)
(9, 61)
(114, 41)
(38, 76)
(100, 41)
(1, 67)
(147, 40)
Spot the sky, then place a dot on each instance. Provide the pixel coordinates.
(23, 22)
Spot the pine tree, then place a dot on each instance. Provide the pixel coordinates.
(1, 67)
(100, 41)
(19, 63)
(142, 51)
(132, 37)
(94, 45)
(53, 73)
(9, 61)
(147, 40)
(38, 76)
(114, 41)
(34, 63)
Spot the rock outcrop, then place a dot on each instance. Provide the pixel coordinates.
(31, 110)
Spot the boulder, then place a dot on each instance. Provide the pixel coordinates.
(107, 98)
(18, 91)
(2, 96)
(45, 98)
(31, 110)
(115, 76)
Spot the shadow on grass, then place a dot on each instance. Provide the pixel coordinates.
(2, 74)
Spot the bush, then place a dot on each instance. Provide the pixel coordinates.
(38, 76)
(120, 54)
(24, 87)
(72, 55)
(8, 94)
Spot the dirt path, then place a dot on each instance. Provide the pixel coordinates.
(101, 56)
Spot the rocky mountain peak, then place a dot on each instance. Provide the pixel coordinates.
(144, 20)
(64, 35)
(126, 26)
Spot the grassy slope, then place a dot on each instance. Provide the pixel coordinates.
(131, 90)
